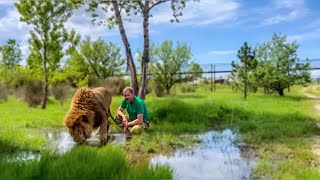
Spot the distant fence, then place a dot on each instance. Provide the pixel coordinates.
(216, 73)
(224, 69)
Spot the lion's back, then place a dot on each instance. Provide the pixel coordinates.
(103, 95)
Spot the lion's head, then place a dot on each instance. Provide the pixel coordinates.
(79, 127)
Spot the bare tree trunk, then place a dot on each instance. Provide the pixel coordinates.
(245, 83)
(146, 47)
(45, 86)
(281, 93)
(130, 62)
(45, 95)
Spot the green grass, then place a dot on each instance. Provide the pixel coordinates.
(278, 127)
(83, 162)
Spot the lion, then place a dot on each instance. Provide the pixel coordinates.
(89, 110)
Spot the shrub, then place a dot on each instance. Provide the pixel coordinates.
(188, 88)
(159, 90)
(60, 91)
(3, 93)
(115, 85)
(32, 92)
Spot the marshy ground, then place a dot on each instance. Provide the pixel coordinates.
(265, 137)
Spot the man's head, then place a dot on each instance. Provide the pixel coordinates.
(128, 94)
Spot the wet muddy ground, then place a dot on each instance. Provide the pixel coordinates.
(216, 157)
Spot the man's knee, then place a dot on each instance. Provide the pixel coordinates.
(136, 130)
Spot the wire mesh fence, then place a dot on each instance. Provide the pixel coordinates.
(217, 73)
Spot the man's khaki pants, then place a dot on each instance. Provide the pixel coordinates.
(136, 129)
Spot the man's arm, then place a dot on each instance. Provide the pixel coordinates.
(139, 120)
(121, 114)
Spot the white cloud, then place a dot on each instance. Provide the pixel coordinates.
(310, 35)
(222, 52)
(315, 74)
(81, 21)
(7, 2)
(284, 11)
(204, 12)
(10, 26)
(310, 31)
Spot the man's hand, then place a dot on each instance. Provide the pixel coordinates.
(125, 122)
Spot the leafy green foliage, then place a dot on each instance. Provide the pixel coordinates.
(167, 62)
(196, 71)
(242, 72)
(9, 61)
(10, 54)
(116, 11)
(48, 35)
(279, 66)
(95, 59)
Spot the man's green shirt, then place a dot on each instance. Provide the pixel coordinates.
(136, 107)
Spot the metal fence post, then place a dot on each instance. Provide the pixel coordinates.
(211, 78)
(214, 77)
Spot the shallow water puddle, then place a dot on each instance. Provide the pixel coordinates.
(61, 141)
(24, 156)
(216, 157)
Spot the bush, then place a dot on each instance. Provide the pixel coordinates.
(94, 81)
(188, 88)
(4, 92)
(115, 85)
(60, 91)
(159, 90)
(32, 92)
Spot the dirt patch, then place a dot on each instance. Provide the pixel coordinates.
(317, 106)
(308, 92)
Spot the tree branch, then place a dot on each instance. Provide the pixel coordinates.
(157, 3)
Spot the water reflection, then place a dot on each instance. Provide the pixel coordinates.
(216, 157)
(25, 156)
(60, 141)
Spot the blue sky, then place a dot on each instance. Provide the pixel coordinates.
(214, 29)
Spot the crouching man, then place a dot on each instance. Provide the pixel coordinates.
(136, 108)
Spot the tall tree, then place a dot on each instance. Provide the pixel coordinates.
(143, 8)
(47, 18)
(11, 54)
(244, 69)
(196, 72)
(10, 58)
(282, 64)
(167, 62)
(93, 59)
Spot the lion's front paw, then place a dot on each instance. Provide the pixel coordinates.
(104, 139)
